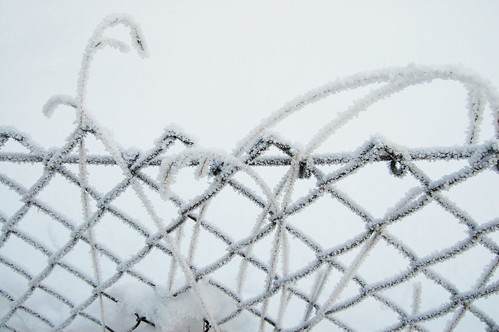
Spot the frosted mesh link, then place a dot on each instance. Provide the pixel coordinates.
(271, 237)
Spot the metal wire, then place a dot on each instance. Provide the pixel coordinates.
(328, 261)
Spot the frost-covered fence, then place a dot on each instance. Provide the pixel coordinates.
(271, 237)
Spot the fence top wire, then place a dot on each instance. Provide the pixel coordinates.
(281, 264)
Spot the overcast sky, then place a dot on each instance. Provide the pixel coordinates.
(228, 64)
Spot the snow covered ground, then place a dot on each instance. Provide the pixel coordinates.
(216, 70)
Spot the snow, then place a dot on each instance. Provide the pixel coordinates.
(183, 312)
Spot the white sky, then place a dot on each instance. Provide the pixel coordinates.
(217, 68)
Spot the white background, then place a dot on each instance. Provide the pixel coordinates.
(217, 68)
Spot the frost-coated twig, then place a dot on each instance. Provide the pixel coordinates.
(405, 76)
(282, 242)
(173, 264)
(95, 43)
(170, 167)
(86, 214)
(195, 234)
(319, 283)
(256, 228)
(112, 147)
(82, 115)
(451, 325)
(345, 279)
(416, 302)
(476, 108)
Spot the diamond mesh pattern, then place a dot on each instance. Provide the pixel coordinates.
(393, 275)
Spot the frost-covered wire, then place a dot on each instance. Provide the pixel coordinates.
(483, 155)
